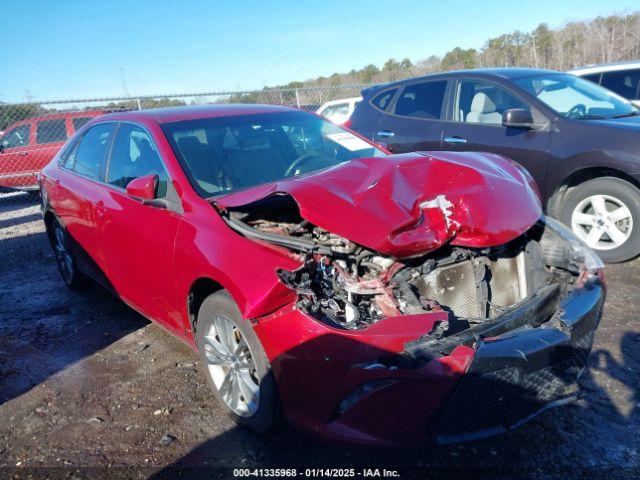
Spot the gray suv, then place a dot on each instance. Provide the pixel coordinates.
(579, 141)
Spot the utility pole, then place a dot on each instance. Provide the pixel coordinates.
(124, 84)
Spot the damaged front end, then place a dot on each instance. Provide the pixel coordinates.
(348, 286)
(456, 342)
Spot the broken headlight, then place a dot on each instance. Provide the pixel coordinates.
(565, 250)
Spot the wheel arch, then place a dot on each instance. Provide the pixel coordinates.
(199, 290)
(580, 176)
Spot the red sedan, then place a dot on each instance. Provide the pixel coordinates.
(371, 298)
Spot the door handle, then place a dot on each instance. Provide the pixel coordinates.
(454, 140)
(385, 134)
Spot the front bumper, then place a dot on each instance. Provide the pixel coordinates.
(521, 373)
(400, 390)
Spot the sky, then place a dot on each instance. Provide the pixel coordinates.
(78, 49)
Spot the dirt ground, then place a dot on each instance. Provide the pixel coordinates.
(90, 388)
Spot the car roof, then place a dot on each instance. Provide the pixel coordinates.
(606, 67)
(505, 73)
(192, 112)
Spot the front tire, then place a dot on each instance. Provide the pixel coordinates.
(605, 214)
(235, 363)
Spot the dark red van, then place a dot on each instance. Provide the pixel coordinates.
(28, 145)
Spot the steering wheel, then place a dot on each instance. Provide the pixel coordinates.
(580, 108)
(302, 159)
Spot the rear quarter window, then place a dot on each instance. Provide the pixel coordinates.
(383, 99)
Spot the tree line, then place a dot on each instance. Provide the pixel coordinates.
(605, 39)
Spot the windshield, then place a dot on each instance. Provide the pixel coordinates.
(224, 154)
(574, 97)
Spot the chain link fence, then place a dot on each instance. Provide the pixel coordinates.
(33, 132)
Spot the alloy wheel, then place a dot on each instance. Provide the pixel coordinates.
(603, 222)
(232, 367)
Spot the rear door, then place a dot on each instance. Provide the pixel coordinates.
(138, 240)
(414, 121)
(476, 125)
(15, 147)
(77, 190)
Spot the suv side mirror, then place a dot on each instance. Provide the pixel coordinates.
(517, 117)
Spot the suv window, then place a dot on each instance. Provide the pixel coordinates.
(92, 151)
(383, 99)
(422, 100)
(78, 122)
(134, 155)
(17, 137)
(482, 102)
(624, 83)
(49, 131)
(592, 77)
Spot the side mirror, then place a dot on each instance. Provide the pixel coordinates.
(143, 188)
(517, 117)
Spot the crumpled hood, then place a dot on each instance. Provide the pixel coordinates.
(410, 204)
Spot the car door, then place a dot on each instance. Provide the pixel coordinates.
(414, 121)
(14, 152)
(476, 125)
(138, 239)
(77, 188)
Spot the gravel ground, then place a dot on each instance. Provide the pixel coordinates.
(86, 383)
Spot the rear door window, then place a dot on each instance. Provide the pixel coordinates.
(51, 131)
(92, 151)
(624, 83)
(422, 100)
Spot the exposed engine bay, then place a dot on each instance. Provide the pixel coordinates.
(349, 286)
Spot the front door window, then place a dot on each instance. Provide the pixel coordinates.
(483, 102)
(17, 137)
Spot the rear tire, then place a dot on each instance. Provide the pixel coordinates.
(235, 363)
(61, 243)
(605, 214)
